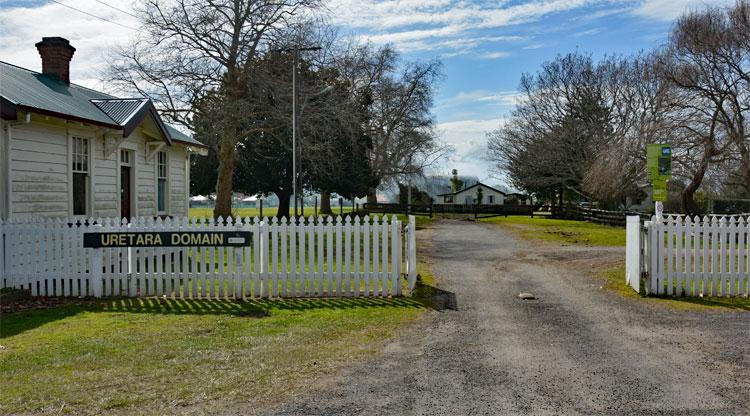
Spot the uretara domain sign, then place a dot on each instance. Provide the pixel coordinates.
(168, 239)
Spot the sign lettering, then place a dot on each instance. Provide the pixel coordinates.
(168, 239)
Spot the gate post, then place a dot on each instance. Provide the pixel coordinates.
(411, 253)
(633, 252)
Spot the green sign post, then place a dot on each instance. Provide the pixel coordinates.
(659, 169)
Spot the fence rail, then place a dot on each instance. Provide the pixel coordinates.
(321, 257)
(597, 216)
(386, 208)
(684, 256)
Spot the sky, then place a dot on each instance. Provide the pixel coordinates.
(485, 46)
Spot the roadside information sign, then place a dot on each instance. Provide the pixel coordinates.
(659, 161)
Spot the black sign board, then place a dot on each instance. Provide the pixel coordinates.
(168, 239)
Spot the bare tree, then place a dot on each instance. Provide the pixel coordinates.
(398, 120)
(194, 47)
(558, 128)
(708, 62)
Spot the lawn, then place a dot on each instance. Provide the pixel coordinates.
(561, 231)
(255, 212)
(159, 356)
(614, 281)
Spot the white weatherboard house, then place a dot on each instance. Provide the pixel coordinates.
(468, 196)
(67, 151)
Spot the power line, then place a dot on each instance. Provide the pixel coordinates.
(93, 15)
(116, 8)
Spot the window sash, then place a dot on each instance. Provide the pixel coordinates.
(80, 199)
(162, 188)
(80, 155)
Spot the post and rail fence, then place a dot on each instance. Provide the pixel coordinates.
(679, 255)
(313, 257)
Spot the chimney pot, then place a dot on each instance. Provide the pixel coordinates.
(56, 54)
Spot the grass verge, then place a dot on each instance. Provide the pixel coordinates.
(615, 282)
(163, 356)
(561, 231)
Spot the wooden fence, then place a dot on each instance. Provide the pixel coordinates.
(386, 208)
(319, 257)
(597, 216)
(684, 256)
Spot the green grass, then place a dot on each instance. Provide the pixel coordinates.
(614, 278)
(254, 212)
(156, 356)
(561, 231)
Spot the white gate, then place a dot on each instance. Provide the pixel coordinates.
(684, 256)
(319, 257)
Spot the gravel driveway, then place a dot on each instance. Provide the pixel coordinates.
(577, 349)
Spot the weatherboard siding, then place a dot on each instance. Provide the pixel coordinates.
(177, 198)
(40, 171)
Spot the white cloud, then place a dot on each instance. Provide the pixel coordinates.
(468, 138)
(498, 98)
(671, 9)
(410, 24)
(93, 38)
(494, 55)
(589, 32)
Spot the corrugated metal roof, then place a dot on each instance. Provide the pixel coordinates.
(120, 110)
(31, 89)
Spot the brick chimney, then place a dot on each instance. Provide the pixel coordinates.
(56, 54)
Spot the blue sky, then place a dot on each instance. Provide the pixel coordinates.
(485, 46)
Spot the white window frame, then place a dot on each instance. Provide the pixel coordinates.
(89, 179)
(490, 199)
(166, 182)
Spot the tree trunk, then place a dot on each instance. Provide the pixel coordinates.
(745, 169)
(372, 195)
(325, 203)
(284, 196)
(686, 198)
(224, 178)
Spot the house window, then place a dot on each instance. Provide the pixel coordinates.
(125, 157)
(161, 183)
(448, 199)
(468, 200)
(80, 168)
(490, 199)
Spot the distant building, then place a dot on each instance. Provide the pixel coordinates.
(468, 196)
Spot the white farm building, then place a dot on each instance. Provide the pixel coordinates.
(67, 151)
(468, 196)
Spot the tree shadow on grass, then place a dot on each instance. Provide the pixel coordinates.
(18, 322)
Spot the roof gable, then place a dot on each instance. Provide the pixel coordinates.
(130, 113)
(474, 186)
(26, 90)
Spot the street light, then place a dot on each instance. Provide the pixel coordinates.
(295, 65)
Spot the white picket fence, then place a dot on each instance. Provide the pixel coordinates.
(313, 257)
(684, 256)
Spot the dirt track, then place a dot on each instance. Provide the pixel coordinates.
(577, 349)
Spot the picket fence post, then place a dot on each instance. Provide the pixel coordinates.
(633, 252)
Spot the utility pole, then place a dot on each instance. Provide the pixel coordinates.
(295, 135)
